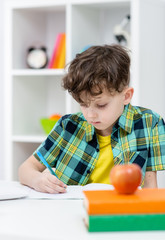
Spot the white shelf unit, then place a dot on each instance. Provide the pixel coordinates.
(32, 94)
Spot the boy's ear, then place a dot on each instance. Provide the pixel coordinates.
(128, 93)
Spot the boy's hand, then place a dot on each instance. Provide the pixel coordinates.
(48, 183)
(35, 175)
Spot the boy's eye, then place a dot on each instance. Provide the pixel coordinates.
(101, 105)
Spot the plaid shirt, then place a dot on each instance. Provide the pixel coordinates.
(72, 146)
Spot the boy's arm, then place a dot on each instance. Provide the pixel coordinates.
(150, 180)
(156, 159)
(32, 174)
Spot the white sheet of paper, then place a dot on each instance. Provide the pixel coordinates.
(73, 192)
(14, 190)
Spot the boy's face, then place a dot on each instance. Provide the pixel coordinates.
(103, 111)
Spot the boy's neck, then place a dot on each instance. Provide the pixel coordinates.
(104, 133)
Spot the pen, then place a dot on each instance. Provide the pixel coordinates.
(45, 163)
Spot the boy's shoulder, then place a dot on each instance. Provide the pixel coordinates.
(74, 120)
(135, 117)
(146, 114)
(71, 123)
(74, 117)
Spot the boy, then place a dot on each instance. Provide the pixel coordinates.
(83, 147)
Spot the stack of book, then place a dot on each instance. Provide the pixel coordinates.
(57, 59)
(106, 210)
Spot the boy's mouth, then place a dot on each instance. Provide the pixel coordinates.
(95, 123)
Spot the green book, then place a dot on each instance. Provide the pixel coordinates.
(138, 222)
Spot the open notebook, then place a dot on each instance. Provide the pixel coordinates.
(73, 192)
(13, 190)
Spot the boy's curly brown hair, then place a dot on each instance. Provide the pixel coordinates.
(96, 69)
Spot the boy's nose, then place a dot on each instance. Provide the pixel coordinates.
(91, 113)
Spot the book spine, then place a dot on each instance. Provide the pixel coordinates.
(59, 51)
(139, 222)
(54, 54)
(130, 207)
(62, 56)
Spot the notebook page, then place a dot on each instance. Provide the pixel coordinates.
(73, 192)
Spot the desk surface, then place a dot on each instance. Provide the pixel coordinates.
(27, 219)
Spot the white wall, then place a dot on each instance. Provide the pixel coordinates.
(1, 90)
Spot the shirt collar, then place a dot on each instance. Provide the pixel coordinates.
(89, 129)
(125, 122)
(127, 118)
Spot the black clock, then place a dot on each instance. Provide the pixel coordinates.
(37, 57)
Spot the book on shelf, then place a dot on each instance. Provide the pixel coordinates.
(50, 64)
(143, 201)
(58, 57)
(124, 222)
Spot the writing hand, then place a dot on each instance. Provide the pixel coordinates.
(48, 183)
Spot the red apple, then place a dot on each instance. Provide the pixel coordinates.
(126, 178)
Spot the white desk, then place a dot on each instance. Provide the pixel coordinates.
(27, 219)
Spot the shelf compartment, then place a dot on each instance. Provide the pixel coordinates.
(35, 98)
(37, 27)
(93, 24)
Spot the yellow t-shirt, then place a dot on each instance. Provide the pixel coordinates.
(104, 163)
